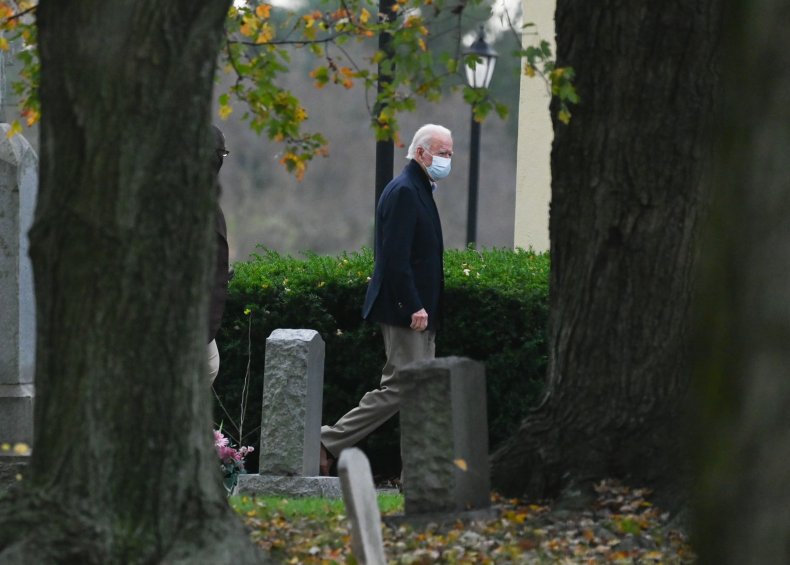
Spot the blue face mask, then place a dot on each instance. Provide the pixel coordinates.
(440, 167)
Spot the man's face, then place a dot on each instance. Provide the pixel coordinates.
(440, 147)
(220, 153)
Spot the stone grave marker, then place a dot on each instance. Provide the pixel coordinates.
(18, 188)
(359, 496)
(444, 436)
(291, 419)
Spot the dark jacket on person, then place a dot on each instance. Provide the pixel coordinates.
(219, 286)
(408, 272)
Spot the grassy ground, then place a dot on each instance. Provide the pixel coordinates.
(620, 526)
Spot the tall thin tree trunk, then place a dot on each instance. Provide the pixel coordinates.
(122, 467)
(743, 321)
(627, 191)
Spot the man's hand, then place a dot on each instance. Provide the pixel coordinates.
(419, 320)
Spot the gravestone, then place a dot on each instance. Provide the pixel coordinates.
(291, 419)
(18, 187)
(359, 496)
(444, 436)
(292, 393)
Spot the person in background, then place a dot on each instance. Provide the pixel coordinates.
(219, 286)
(404, 295)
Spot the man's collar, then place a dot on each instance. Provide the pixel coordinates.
(416, 164)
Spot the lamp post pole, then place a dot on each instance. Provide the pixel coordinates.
(474, 177)
(479, 69)
(385, 150)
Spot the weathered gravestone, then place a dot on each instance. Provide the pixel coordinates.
(18, 187)
(359, 496)
(444, 437)
(291, 419)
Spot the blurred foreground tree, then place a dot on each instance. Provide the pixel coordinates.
(742, 346)
(124, 216)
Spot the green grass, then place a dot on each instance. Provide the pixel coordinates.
(265, 507)
(621, 526)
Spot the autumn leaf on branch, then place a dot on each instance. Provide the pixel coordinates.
(423, 60)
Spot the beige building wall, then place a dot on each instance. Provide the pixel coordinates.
(535, 134)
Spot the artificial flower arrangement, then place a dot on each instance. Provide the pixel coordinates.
(231, 460)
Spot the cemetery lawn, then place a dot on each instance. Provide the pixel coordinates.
(619, 526)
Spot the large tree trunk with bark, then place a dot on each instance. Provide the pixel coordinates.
(743, 321)
(123, 469)
(627, 194)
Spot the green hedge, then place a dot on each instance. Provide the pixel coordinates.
(496, 304)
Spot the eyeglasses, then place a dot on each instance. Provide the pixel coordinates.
(445, 154)
(223, 152)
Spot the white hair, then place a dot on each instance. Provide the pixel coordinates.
(425, 135)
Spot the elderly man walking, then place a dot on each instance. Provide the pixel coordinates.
(405, 292)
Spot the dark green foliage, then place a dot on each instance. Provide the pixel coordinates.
(496, 310)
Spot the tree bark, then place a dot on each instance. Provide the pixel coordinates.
(742, 324)
(123, 469)
(627, 194)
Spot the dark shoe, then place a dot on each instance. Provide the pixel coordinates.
(326, 461)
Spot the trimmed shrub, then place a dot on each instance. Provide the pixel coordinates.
(496, 304)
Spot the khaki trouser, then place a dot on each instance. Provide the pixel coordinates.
(213, 360)
(402, 346)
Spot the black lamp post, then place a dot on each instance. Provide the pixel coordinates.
(385, 150)
(478, 75)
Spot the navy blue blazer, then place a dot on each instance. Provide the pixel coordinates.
(408, 272)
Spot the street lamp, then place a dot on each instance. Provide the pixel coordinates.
(478, 74)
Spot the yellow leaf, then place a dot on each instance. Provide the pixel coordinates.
(4, 44)
(422, 45)
(564, 116)
(31, 116)
(364, 16)
(301, 167)
(266, 34)
(249, 26)
(460, 463)
(15, 128)
(263, 11)
(225, 111)
(529, 70)
(21, 448)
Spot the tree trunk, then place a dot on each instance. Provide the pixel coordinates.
(627, 194)
(743, 321)
(123, 469)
